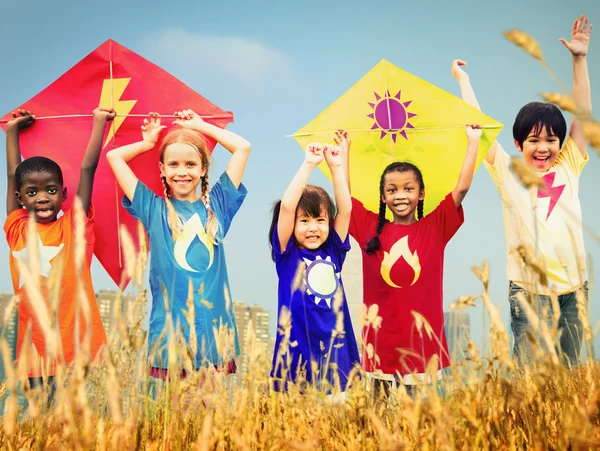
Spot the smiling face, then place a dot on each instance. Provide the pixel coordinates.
(310, 231)
(402, 193)
(42, 194)
(540, 149)
(183, 169)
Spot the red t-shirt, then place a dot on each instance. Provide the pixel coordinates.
(56, 250)
(405, 276)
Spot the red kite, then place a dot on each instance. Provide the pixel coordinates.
(110, 76)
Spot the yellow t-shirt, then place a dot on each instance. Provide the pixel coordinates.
(556, 220)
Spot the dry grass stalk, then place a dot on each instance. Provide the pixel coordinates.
(531, 264)
(525, 42)
(547, 339)
(528, 177)
(463, 302)
(591, 129)
(564, 102)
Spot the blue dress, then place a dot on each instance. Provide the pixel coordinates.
(309, 296)
(190, 258)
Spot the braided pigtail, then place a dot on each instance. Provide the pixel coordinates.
(374, 244)
(420, 209)
(172, 218)
(212, 223)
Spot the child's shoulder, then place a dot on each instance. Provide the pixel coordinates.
(569, 152)
(15, 218)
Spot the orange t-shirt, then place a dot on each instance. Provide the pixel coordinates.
(56, 250)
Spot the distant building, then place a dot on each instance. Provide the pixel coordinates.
(458, 327)
(352, 278)
(107, 303)
(8, 330)
(244, 314)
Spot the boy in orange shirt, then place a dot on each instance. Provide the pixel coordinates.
(37, 185)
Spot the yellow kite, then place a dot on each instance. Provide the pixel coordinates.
(392, 115)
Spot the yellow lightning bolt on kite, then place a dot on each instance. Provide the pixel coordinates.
(112, 90)
(400, 250)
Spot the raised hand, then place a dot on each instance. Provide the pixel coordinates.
(152, 128)
(333, 155)
(474, 132)
(188, 119)
(105, 114)
(342, 139)
(21, 120)
(580, 37)
(314, 153)
(457, 72)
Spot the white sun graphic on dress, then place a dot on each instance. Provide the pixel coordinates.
(322, 279)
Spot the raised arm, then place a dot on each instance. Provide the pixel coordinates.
(341, 190)
(582, 94)
(342, 139)
(468, 167)
(468, 95)
(92, 155)
(21, 120)
(119, 157)
(287, 214)
(236, 145)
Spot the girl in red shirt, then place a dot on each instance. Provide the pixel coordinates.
(403, 262)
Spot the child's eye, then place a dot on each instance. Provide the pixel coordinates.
(409, 189)
(52, 190)
(321, 220)
(172, 164)
(31, 193)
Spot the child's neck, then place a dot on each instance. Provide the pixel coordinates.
(192, 199)
(405, 221)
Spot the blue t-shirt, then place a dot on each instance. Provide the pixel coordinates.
(190, 257)
(310, 298)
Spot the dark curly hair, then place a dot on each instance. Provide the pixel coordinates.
(37, 164)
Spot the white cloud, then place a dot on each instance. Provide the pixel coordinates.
(209, 56)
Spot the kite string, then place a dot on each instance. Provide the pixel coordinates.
(114, 142)
(71, 116)
(378, 130)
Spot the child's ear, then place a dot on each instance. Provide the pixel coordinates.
(518, 146)
(64, 193)
(422, 195)
(19, 198)
(161, 167)
(383, 198)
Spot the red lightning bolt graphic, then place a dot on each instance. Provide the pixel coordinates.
(553, 192)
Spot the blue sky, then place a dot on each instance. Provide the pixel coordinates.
(277, 65)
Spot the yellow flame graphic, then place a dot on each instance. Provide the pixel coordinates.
(193, 228)
(112, 98)
(400, 250)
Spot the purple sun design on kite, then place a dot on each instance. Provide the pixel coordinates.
(391, 115)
